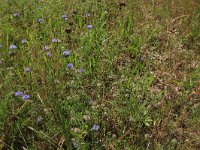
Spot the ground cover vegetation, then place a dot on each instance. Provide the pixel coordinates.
(113, 75)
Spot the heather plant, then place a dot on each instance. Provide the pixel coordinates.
(99, 74)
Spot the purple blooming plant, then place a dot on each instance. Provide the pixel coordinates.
(12, 47)
(27, 69)
(95, 127)
(70, 66)
(54, 40)
(49, 54)
(15, 14)
(64, 17)
(66, 53)
(81, 70)
(18, 93)
(24, 41)
(89, 26)
(26, 97)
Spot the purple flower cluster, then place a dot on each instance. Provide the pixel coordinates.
(89, 26)
(95, 127)
(66, 53)
(27, 69)
(12, 47)
(22, 95)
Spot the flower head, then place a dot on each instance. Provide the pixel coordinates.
(81, 70)
(26, 97)
(18, 93)
(64, 17)
(54, 40)
(95, 127)
(12, 46)
(89, 26)
(27, 69)
(66, 53)
(23, 41)
(40, 20)
(39, 119)
(49, 54)
(15, 14)
(70, 66)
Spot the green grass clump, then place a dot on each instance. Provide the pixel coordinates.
(132, 83)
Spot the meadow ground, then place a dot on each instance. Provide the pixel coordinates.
(113, 75)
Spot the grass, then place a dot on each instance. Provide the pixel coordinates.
(134, 83)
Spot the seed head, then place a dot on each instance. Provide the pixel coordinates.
(27, 69)
(95, 127)
(23, 41)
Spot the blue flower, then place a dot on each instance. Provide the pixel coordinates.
(49, 54)
(15, 14)
(66, 53)
(26, 97)
(70, 66)
(64, 17)
(18, 93)
(12, 46)
(95, 127)
(27, 69)
(89, 26)
(54, 40)
(23, 41)
(40, 20)
(81, 70)
(88, 15)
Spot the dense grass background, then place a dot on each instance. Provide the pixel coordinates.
(134, 84)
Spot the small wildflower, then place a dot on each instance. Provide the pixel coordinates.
(1, 46)
(89, 26)
(70, 66)
(49, 54)
(40, 20)
(81, 70)
(95, 127)
(54, 40)
(27, 69)
(12, 46)
(39, 119)
(18, 93)
(15, 14)
(66, 53)
(64, 17)
(45, 47)
(26, 97)
(23, 41)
